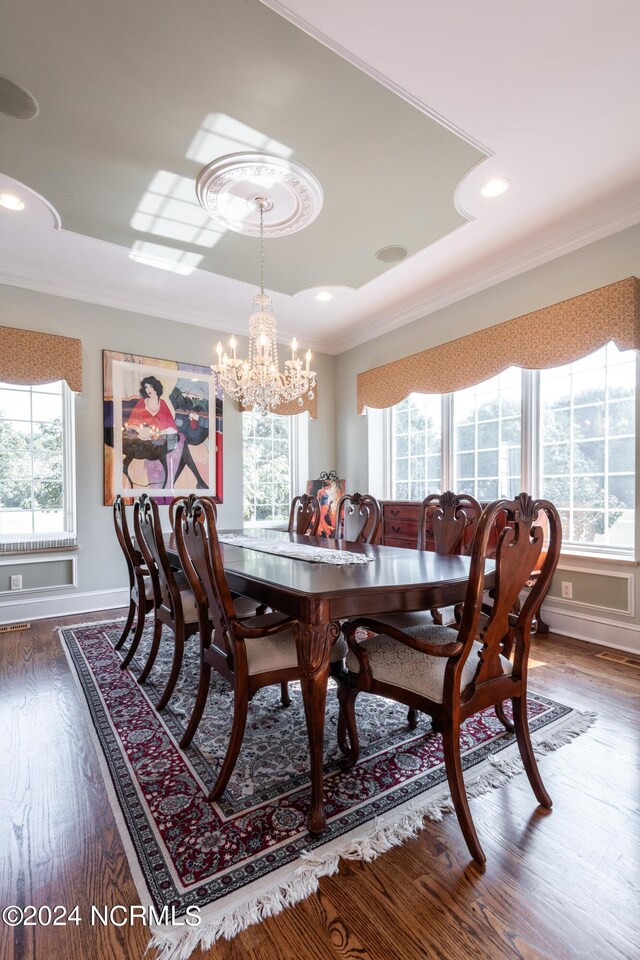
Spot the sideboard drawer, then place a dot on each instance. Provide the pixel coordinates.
(400, 511)
(401, 529)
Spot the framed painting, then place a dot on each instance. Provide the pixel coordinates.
(328, 489)
(162, 428)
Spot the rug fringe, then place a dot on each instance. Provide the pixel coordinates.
(305, 880)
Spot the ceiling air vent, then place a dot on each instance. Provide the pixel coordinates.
(16, 101)
(391, 254)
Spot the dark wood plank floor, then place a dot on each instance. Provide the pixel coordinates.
(558, 885)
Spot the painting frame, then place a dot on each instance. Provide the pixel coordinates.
(164, 436)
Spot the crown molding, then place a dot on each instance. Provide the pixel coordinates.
(53, 286)
(595, 229)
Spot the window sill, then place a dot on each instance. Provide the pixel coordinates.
(604, 558)
(27, 551)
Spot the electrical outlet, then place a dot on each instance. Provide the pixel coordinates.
(16, 581)
(567, 590)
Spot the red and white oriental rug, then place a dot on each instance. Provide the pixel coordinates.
(249, 855)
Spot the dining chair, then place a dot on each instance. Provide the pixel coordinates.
(304, 516)
(358, 518)
(140, 582)
(249, 654)
(174, 601)
(446, 523)
(245, 607)
(453, 674)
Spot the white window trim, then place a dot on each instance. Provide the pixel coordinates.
(39, 541)
(381, 444)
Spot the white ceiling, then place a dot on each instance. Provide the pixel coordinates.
(548, 91)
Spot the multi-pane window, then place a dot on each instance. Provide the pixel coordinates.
(487, 431)
(267, 460)
(36, 506)
(417, 445)
(587, 432)
(583, 415)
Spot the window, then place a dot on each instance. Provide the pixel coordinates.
(417, 437)
(587, 432)
(487, 427)
(268, 454)
(482, 441)
(36, 466)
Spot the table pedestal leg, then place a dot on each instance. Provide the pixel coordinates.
(313, 644)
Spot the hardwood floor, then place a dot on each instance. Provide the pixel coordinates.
(559, 884)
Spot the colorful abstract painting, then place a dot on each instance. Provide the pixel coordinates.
(162, 428)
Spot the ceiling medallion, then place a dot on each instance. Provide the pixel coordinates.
(228, 188)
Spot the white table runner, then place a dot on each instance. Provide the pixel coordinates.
(299, 551)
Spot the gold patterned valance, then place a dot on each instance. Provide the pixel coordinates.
(292, 407)
(549, 337)
(27, 357)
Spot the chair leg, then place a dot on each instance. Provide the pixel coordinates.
(136, 640)
(240, 704)
(153, 652)
(127, 627)
(285, 699)
(436, 616)
(502, 717)
(453, 765)
(530, 764)
(347, 727)
(199, 705)
(412, 718)
(178, 650)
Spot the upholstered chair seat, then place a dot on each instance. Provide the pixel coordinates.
(392, 662)
(279, 652)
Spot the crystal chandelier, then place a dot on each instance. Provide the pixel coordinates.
(257, 382)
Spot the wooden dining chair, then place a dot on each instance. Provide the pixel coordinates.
(249, 653)
(453, 674)
(358, 518)
(140, 582)
(174, 602)
(304, 517)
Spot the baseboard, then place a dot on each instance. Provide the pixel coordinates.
(582, 626)
(64, 605)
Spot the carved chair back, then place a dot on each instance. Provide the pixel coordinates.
(517, 552)
(201, 558)
(448, 520)
(149, 535)
(304, 517)
(133, 557)
(173, 506)
(358, 518)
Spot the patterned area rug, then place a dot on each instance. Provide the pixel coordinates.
(249, 855)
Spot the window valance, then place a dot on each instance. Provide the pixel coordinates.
(549, 337)
(28, 357)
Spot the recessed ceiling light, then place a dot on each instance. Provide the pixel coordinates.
(11, 202)
(324, 295)
(493, 188)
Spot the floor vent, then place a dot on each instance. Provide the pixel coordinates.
(10, 627)
(620, 658)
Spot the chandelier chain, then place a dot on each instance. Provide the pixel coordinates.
(258, 381)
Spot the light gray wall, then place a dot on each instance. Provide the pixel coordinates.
(100, 564)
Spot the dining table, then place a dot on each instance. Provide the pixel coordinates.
(321, 595)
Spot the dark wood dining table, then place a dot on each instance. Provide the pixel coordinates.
(319, 595)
